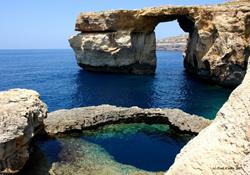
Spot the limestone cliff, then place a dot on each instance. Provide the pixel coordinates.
(124, 40)
(223, 147)
(21, 116)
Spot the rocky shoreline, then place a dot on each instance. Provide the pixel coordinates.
(222, 147)
(218, 49)
(23, 115)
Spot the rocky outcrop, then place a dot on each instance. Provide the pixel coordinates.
(218, 48)
(223, 147)
(124, 40)
(116, 52)
(176, 43)
(21, 117)
(88, 117)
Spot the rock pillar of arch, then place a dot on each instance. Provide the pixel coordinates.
(124, 40)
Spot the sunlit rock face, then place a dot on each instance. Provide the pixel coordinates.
(124, 41)
(223, 147)
(21, 117)
(218, 48)
(116, 52)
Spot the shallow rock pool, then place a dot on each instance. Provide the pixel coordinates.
(113, 149)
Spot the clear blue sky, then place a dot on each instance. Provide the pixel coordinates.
(43, 24)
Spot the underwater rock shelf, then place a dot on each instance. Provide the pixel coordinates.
(90, 117)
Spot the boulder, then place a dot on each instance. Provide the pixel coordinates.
(21, 117)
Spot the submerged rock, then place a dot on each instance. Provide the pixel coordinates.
(124, 40)
(80, 157)
(223, 147)
(21, 117)
(88, 117)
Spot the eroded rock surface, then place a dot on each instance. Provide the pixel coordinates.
(124, 40)
(86, 117)
(21, 116)
(116, 52)
(223, 147)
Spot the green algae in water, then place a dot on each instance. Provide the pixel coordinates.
(113, 149)
(147, 147)
(121, 130)
(89, 159)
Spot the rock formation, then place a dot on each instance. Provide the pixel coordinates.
(116, 52)
(124, 40)
(223, 147)
(21, 117)
(88, 117)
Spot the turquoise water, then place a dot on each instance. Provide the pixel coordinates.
(136, 144)
(114, 149)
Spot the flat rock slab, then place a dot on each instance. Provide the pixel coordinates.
(88, 117)
(21, 115)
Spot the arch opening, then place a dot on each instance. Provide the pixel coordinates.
(174, 32)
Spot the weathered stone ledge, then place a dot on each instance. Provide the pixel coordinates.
(88, 117)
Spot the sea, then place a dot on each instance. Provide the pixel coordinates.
(125, 148)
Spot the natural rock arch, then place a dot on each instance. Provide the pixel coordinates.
(124, 40)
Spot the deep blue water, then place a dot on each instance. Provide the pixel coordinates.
(148, 147)
(62, 84)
